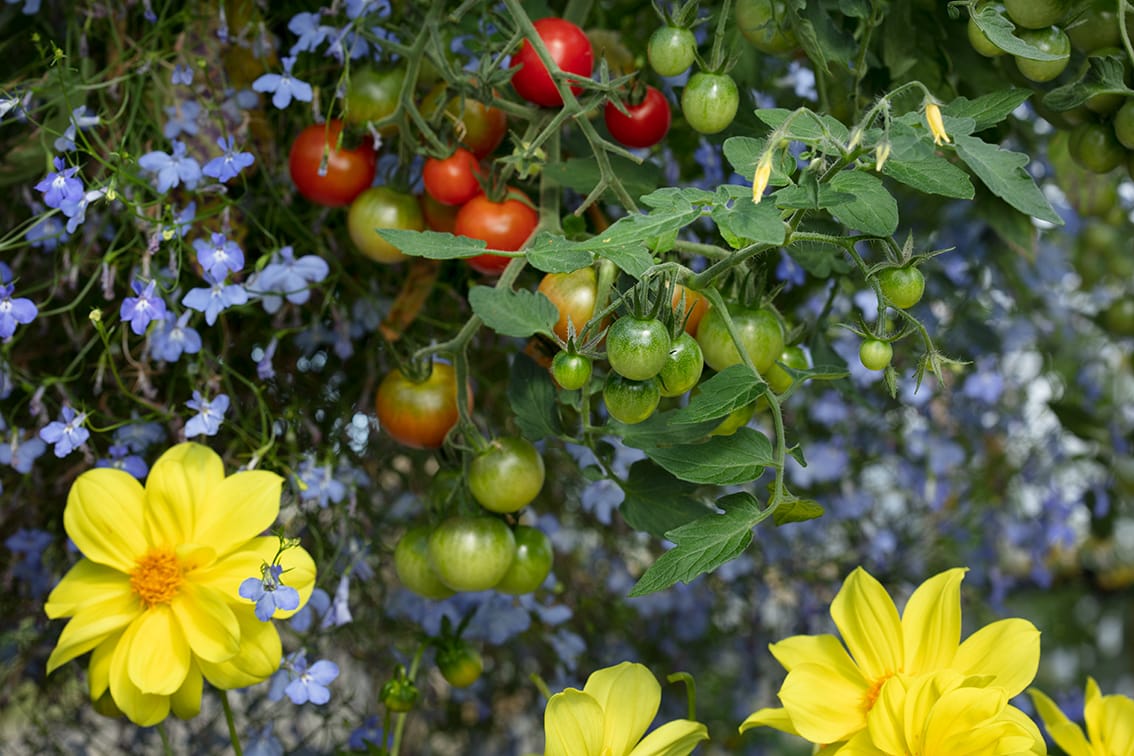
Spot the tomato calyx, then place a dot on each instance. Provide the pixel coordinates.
(399, 694)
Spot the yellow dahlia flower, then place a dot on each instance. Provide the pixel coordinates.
(609, 716)
(1109, 719)
(155, 596)
(830, 689)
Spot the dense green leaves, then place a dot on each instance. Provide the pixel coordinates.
(513, 313)
(999, 30)
(873, 210)
(721, 460)
(732, 388)
(656, 502)
(532, 396)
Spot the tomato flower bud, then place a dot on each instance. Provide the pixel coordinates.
(936, 126)
(763, 174)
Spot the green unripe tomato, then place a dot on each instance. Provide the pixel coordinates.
(628, 401)
(903, 286)
(1051, 40)
(764, 24)
(760, 332)
(682, 369)
(532, 563)
(1124, 124)
(571, 371)
(875, 354)
(461, 665)
(1095, 147)
(709, 101)
(411, 562)
(780, 380)
(1035, 14)
(671, 50)
(735, 420)
(637, 348)
(980, 41)
(471, 553)
(507, 476)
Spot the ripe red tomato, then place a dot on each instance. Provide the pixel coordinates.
(504, 226)
(570, 50)
(646, 124)
(695, 307)
(347, 173)
(453, 180)
(573, 294)
(438, 217)
(477, 126)
(419, 414)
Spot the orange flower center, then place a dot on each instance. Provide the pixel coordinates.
(872, 693)
(157, 577)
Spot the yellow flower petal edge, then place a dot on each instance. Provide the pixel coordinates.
(1109, 720)
(155, 597)
(629, 695)
(573, 725)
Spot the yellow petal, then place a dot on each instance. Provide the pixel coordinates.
(886, 721)
(239, 508)
(143, 709)
(1066, 734)
(965, 722)
(228, 573)
(823, 705)
(825, 650)
(98, 674)
(259, 655)
(104, 517)
(868, 621)
(177, 492)
(91, 626)
(777, 719)
(572, 725)
(1110, 723)
(629, 696)
(931, 623)
(159, 654)
(186, 702)
(208, 622)
(676, 738)
(1008, 650)
(86, 583)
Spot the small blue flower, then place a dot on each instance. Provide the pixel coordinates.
(182, 74)
(174, 338)
(220, 256)
(20, 453)
(14, 311)
(172, 169)
(368, 734)
(310, 683)
(120, 458)
(264, 369)
(79, 120)
(47, 233)
(339, 612)
(230, 164)
(67, 434)
(317, 607)
(143, 309)
(76, 211)
(210, 415)
(283, 86)
(261, 742)
(320, 484)
(214, 299)
(31, 7)
(139, 436)
(182, 119)
(268, 593)
(181, 222)
(310, 32)
(287, 277)
(60, 186)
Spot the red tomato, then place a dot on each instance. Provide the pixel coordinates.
(570, 50)
(438, 217)
(347, 172)
(419, 414)
(646, 124)
(503, 226)
(452, 181)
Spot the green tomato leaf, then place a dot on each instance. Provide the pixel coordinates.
(704, 544)
(532, 396)
(514, 313)
(435, 245)
(1103, 75)
(873, 210)
(819, 259)
(734, 387)
(1002, 171)
(634, 260)
(743, 153)
(722, 460)
(583, 174)
(806, 125)
(656, 502)
(987, 110)
(661, 429)
(797, 510)
(750, 223)
(998, 28)
(554, 254)
(914, 163)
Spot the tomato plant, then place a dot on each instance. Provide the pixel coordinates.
(344, 175)
(1052, 40)
(765, 25)
(438, 217)
(1095, 147)
(569, 49)
(644, 124)
(503, 225)
(709, 101)
(479, 127)
(1036, 14)
(411, 562)
(637, 348)
(507, 475)
(382, 207)
(903, 286)
(461, 665)
(780, 380)
(471, 553)
(875, 354)
(419, 413)
(573, 295)
(453, 180)
(1124, 124)
(671, 50)
(571, 371)
(373, 95)
(532, 563)
(683, 366)
(694, 307)
(760, 331)
(629, 401)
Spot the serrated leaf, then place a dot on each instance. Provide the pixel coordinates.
(806, 125)
(634, 260)
(656, 502)
(514, 313)
(661, 429)
(930, 174)
(998, 28)
(987, 110)
(583, 174)
(1002, 171)
(704, 544)
(734, 387)
(743, 153)
(752, 223)
(797, 510)
(555, 254)
(435, 245)
(819, 259)
(532, 396)
(1103, 75)
(809, 194)
(873, 210)
(721, 460)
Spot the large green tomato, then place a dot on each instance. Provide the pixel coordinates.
(760, 332)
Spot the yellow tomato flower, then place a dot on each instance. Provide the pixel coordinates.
(609, 716)
(944, 714)
(830, 689)
(762, 176)
(1110, 724)
(154, 598)
(936, 125)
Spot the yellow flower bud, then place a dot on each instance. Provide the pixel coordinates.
(763, 174)
(936, 126)
(881, 154)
